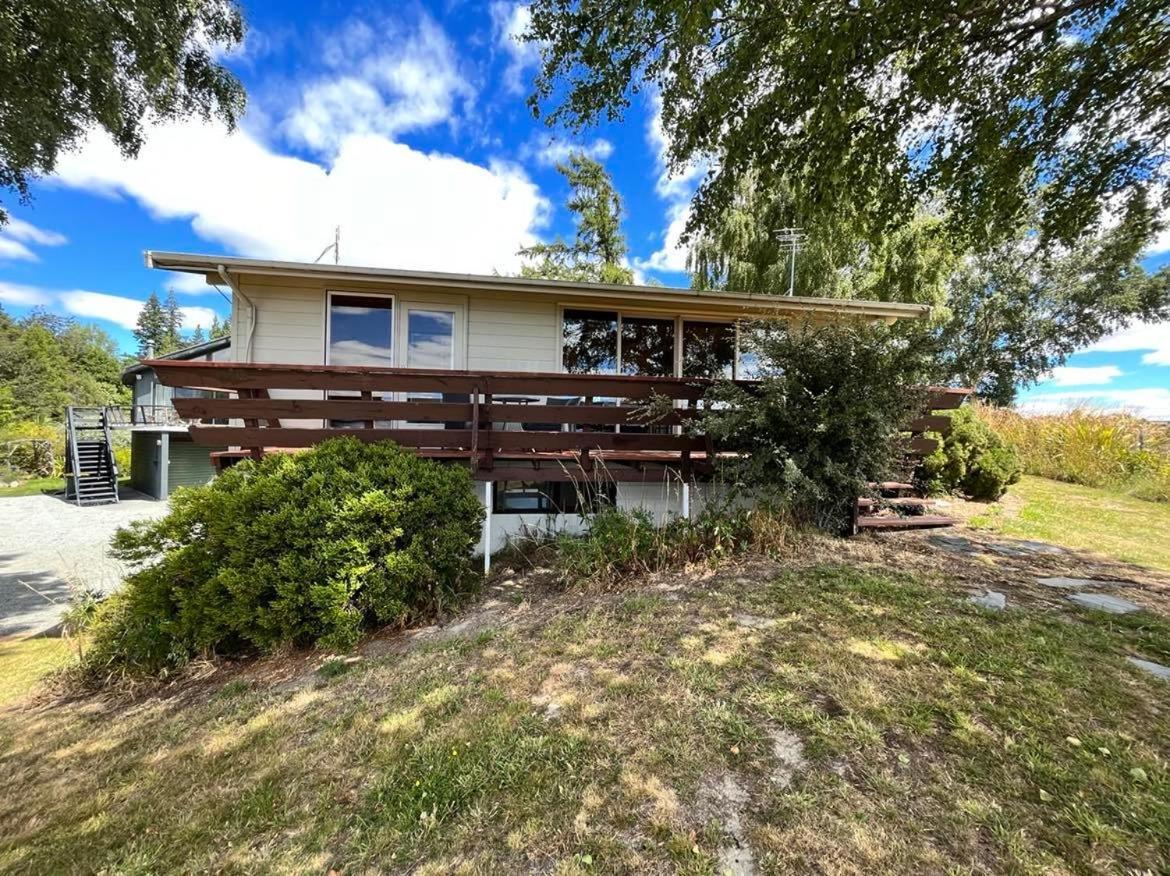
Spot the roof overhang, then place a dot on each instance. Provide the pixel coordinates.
(744, 304)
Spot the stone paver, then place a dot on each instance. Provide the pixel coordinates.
(1105, 602)
(954, 544)
(46, 542)
(1155, 669)
(1062, 583)
(991, 600)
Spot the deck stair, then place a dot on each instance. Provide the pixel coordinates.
(91, 472)
(897, 505)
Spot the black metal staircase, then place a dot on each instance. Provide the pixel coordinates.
(91, 472)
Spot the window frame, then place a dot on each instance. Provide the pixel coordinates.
(390, 296)
(499, 494)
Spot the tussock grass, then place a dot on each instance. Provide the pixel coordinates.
(1115, 451)
(641, 731)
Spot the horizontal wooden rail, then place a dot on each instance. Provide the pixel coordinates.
(426, 411)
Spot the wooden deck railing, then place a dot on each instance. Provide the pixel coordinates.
(505, 424)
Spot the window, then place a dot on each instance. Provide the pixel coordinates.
(647, 346)
(589, 342)
(546, 497)
(361, 330)
(708, 349)
(430, 338)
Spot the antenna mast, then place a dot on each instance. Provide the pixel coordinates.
(335, 246)
(791, 241)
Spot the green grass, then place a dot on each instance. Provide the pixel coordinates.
(586, 736)
(33, 487)
(1117, 526)
(24, 662)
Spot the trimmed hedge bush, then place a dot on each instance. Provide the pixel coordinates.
(972, 459)
(305, 549)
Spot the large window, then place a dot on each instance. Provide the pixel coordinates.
(361, 330)
(547, 497)
(708, 349)
(430, 338)
(647, 346)
(589, 342)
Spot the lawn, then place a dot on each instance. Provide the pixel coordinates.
(23, 662)
(818, 716)
(33, 487)
(1118, 526)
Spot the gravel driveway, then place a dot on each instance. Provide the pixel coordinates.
(46, 542)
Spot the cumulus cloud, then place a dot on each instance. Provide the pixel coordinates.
(1151, 337)
(1152, 403)
(672, 256)
(18, 236)
(397, 206)
(1072, 375)
(549, 151)
(121, 310)
(380, 79)
(23, 296)
(509, 22)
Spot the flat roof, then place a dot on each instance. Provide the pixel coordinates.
(209, 265)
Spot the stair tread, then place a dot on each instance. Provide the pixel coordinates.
(925, 521)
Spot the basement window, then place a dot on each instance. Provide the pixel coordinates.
(549, 497)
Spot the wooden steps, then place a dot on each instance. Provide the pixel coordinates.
(897, 522)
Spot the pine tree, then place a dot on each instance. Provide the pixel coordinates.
(173, 325)
(150, 330)
(598, 253)
(197, 336)
(219, 329)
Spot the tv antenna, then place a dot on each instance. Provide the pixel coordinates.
(791, 241)
(335, 246)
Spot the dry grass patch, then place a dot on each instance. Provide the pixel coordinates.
(856, 720)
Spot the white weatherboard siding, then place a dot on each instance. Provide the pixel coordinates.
(512, 334)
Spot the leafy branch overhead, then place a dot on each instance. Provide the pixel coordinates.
(68, 67)
(992, 110)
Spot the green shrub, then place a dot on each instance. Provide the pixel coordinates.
(825, 417)
(305, 549)
(971, 459)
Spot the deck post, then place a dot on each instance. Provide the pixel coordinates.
(487, 526)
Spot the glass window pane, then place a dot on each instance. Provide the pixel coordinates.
(708, 349)
(430, 341)
(361, 331)
(590, 342)
(647, 346)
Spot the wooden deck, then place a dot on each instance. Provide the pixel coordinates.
(504, 425)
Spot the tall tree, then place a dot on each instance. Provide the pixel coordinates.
(151, 328)
(173, 325)
(1021, 309)
(219, 329)
(598, 252)
(995, 109)
(197, 335)
(68, 66)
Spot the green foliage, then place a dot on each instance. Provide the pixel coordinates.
(151, 328)
(48, 362)
(305, 548)
(598, 253)
(825, 417)
(1020, 309)
(985, 108)
(971, 459)
(218, 329)
(623, 544)
(67, 68)
(172, 338)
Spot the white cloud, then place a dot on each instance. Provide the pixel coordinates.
(187, 284)
(1071, 375)
(552, 151)
(382, 80)
(397, 206)
(23, 296)
(18, 235)
(673, 254)
(1153, 337)
(510, 21)
(1152, 403)
(123, 311)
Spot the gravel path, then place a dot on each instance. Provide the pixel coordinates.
(45, 542)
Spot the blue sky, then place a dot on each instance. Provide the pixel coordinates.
(406, 125)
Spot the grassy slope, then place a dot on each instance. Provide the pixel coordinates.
(1087, 518)
(587, 736)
